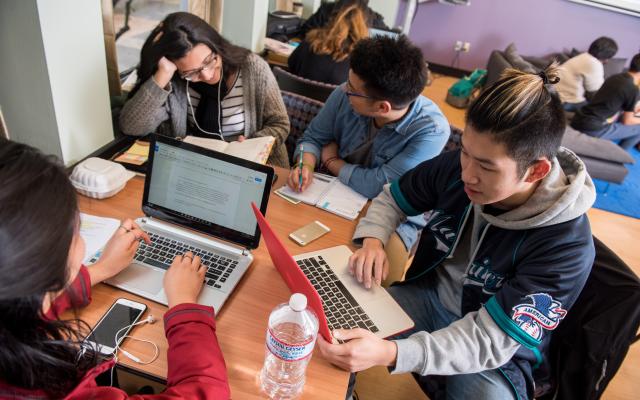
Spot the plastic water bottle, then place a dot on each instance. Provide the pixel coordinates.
(291, 336)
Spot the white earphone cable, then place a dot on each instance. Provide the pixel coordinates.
(219, 134)
(135, 359)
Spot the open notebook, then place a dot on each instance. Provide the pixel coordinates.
(328, 193)
(254, 149)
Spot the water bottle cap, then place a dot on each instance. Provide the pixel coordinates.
(298, 302)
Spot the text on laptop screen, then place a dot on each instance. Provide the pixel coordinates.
(205, 189)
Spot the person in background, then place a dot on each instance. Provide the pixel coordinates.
(505, 254)
(582, 75)
(375, 127)
(614, 112)
(323, 55)
(193, 81)
(41, 355)
(325, 12)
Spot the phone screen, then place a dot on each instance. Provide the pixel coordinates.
(118, 317)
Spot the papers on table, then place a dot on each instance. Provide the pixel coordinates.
(96, 232)
(328, 193)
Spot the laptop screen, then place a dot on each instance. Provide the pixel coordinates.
(206, 190)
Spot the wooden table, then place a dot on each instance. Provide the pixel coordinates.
(242, 322)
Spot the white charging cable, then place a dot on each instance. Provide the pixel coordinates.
(149, 320)
(219, 108)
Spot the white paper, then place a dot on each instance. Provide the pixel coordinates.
(313, 193)
(340, 199)
(96, 232)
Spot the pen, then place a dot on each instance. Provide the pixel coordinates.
(300, 165)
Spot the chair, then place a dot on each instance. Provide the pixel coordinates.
(301, 110)
(306, 87)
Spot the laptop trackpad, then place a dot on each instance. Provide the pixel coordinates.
(140, 277)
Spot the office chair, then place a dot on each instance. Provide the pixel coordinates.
(301, 110)
(289, 82)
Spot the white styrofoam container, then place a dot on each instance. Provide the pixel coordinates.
(98, 178)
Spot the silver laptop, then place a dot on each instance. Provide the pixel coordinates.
(346, 302)
(197, 200)
(332, 291)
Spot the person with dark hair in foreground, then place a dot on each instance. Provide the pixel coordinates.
(614, 111)
(375, 126)
(41, 275)
(192, 81)
(581, 76)
(505, 253)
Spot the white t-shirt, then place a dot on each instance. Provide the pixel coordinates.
(581, 73)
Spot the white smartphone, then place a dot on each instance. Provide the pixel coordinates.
(122, 313)
(309, 233)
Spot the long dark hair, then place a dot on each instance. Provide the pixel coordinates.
(175, 36)
(38, 219)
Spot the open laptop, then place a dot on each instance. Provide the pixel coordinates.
(196, 200)
(337, 298)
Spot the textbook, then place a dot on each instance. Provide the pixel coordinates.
(329, 194)
(254, 149)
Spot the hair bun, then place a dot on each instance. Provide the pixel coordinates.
(546, 80)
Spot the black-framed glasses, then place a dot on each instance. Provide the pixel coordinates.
(346, 87)
(206, 65)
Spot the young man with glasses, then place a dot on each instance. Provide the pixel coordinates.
(377, 125)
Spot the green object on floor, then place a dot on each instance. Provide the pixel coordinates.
(460, 93)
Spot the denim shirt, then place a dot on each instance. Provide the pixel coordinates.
(397, 147)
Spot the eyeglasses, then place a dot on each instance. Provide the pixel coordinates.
(207, 65)
(346, 87)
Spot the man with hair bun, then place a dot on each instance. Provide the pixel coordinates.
(505, 253)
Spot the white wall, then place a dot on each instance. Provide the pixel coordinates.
(75, 56)
(244, 22)
(53, 86)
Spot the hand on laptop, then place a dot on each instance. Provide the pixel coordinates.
(183, 280)
(362, 350)
(119, 251)
(369, 263)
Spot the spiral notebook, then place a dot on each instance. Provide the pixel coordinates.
(328, 193)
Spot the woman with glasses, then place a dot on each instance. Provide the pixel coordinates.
(192, 81)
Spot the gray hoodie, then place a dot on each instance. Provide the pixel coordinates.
(475, 342)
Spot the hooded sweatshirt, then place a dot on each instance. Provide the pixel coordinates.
(510, 276)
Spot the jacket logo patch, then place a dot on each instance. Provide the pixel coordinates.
(543, 313)
(481, 274)
(445, 236)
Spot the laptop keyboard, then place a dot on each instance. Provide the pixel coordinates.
(340, 308)
(162, 251)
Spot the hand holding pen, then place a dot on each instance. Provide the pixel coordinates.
(301, 176)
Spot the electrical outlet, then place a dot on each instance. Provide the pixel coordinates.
(466, 46)
(458, 45)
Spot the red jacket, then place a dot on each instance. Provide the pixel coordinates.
(196, 366)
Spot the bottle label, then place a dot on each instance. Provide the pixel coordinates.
(288, 352)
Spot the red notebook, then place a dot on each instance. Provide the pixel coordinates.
(293, 276)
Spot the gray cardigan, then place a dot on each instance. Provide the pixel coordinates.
(154, 109)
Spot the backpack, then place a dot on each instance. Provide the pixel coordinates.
(589, 346)
(460, 93)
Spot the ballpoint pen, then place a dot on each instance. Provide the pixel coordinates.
(300, 165)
